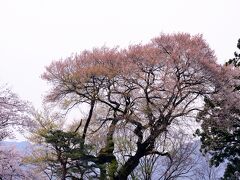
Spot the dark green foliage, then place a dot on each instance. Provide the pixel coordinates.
(220, 135)
(223, 143)
(68, 143)
(236, 60)
(232, 170)
(69, 152)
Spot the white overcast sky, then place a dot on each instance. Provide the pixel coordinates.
(35, 32)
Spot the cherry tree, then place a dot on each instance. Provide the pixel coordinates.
(13, 112)
(145, 89)
(12, 165)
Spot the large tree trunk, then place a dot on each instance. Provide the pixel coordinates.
(64, 172)
(131, 163)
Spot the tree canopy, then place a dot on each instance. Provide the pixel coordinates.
(14, 115)
(143, 90)
(14, 112)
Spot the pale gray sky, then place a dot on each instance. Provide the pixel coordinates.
(35, 32)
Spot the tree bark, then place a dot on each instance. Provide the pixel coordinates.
(132, 162)
(64, 172)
